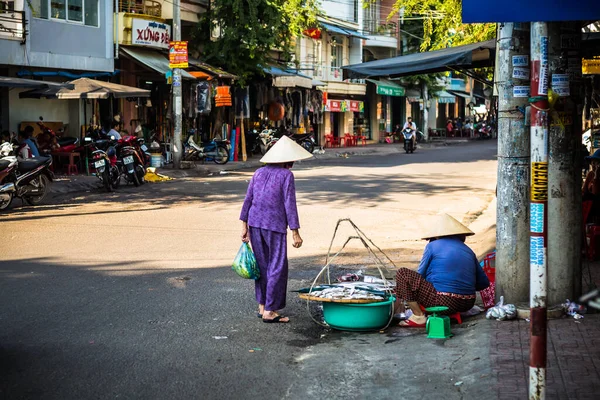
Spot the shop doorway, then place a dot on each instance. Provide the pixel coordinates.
(335, 118)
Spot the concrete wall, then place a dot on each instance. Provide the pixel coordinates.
(62, 45)
(22, 110)
(342, 10)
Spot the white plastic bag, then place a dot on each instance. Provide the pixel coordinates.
(502, 311)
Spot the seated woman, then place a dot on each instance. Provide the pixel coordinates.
(449, 274)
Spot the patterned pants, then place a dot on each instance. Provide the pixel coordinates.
(411, 286)
(270, 250)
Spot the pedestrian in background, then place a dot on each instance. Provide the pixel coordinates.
(269, 208)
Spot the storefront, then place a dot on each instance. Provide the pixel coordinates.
(387, 105)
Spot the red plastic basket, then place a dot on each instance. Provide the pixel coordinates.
(488, 295)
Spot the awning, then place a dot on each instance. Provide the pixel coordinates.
(151, 59)
(210, 70)
(340, 30)
(316, 82)
(7, 81)
(461, 57)
(288, 78)
(387, 88)
(459, 93)
(85, 88)
(444, 97)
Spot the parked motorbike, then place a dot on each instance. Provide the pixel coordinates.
(105, 162)
(49, 141)
(409, 146)
(306, 140)
(259, 142)
(215, 150)
(130, 160)
(27, 179)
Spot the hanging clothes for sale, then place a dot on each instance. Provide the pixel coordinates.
(203, 92)
(242, 102)
(223, 97)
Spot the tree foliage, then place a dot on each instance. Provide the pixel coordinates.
(442, 23)
(251, 31)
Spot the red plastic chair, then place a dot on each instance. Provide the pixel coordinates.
(331, 141)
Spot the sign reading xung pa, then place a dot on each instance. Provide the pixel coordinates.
(150, 33)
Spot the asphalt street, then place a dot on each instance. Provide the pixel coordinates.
(131, 294)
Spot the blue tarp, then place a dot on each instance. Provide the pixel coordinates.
(342, 31)
(530, 10)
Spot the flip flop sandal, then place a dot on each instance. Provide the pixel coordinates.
(275, 320)
(411, 324)
(259, 315)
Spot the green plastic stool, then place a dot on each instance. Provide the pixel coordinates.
(438, 326)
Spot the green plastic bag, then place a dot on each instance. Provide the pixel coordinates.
(245, 264)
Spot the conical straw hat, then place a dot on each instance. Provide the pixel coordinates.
(447, 226)
(285, 150)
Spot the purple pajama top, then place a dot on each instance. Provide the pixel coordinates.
(271, 200)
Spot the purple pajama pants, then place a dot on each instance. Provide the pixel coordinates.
(270, 250)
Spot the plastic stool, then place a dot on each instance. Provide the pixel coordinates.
(438, 326)
(456, 316)
(72, 169)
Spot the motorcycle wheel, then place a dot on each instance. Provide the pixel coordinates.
(141, 173)
(116, 180)
(44, 187)
(135, 179)
(5, 200)
(308, 146)
(106, 180)
(222, 155)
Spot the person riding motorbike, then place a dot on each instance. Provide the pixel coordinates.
(410, 125)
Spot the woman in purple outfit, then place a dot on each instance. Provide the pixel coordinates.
(268, 210)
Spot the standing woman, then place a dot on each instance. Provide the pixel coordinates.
(268, 210)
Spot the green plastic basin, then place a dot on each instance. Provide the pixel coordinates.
(358, 317)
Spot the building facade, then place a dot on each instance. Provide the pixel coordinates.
(57, 41)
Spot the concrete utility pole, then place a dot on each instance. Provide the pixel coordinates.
(564, 168)
(538, 210)
(512, 229)
(177, 98)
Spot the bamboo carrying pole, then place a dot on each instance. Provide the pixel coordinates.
(538, 210)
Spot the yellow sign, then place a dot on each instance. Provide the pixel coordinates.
(589, 67)
(178, 55)
(539, 181)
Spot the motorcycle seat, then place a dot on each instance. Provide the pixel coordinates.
(31, 163)
(300, 136)
(66, 140)
(4, 164)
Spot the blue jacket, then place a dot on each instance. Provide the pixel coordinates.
(34, 150)
(452, 267)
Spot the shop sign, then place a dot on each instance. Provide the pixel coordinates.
(390, 90)
(355, 106)
(591, 66)
(150, 33)
(336, 106)
(178, 55)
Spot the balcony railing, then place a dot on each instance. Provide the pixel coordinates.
(146, 7)
(12, 23)
(379, 27)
